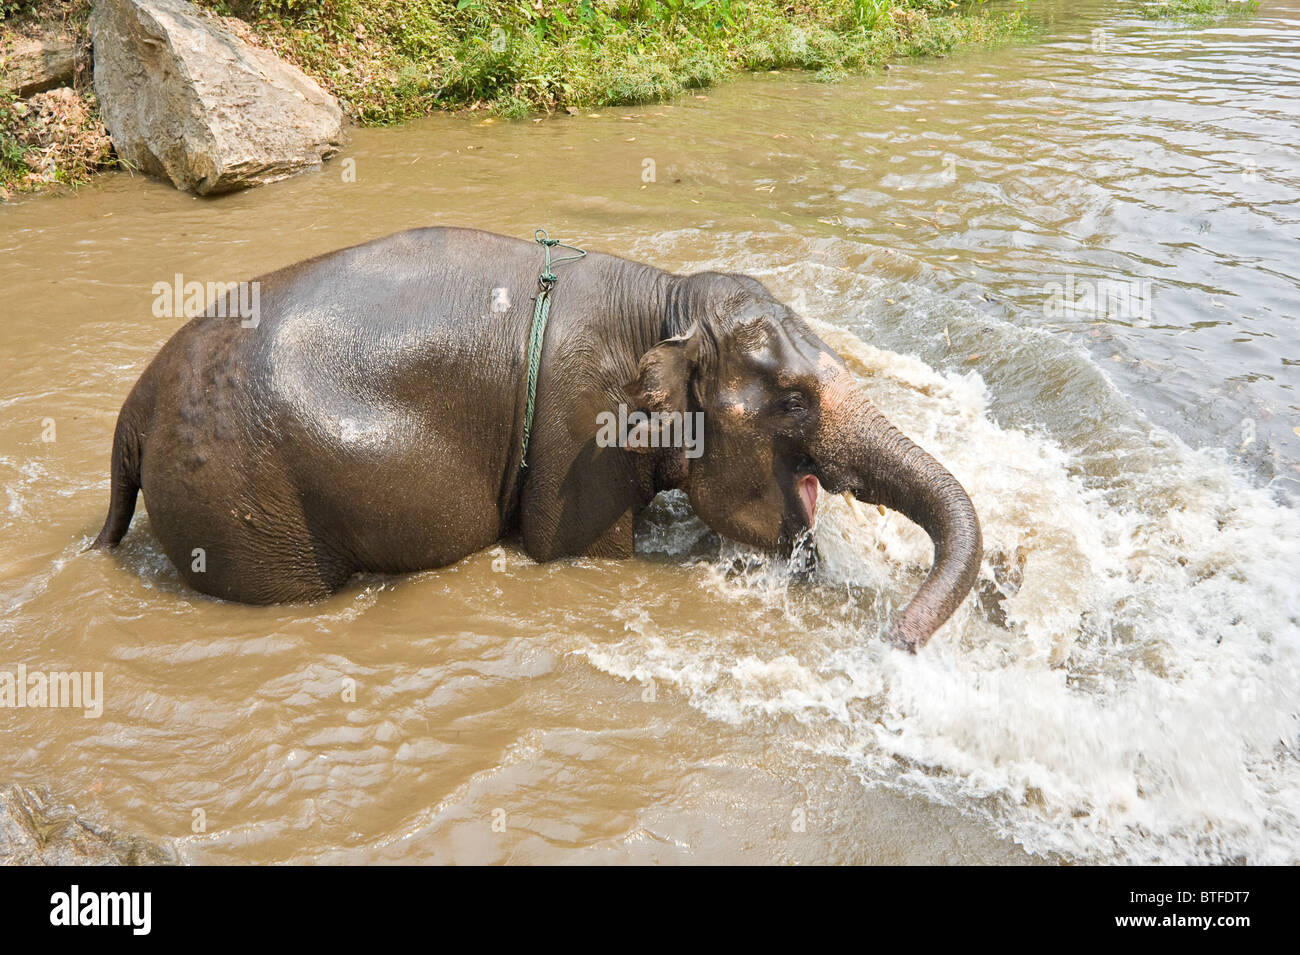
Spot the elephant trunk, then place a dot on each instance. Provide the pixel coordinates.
(858, 450)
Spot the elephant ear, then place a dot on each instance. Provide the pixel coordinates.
(662, 382)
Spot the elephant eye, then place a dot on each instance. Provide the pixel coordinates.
(793, 404)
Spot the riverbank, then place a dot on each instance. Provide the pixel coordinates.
(388, 61)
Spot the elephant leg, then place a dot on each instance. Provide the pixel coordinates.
(246, 555)
(235, 531)
(616, 542)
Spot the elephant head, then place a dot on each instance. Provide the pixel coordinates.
(783, 420)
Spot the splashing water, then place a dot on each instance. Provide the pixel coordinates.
(1122, 684)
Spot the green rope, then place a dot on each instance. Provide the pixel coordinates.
(537, 333)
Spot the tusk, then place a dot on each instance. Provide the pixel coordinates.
(855, 508)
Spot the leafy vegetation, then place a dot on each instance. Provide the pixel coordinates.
(1196, 11)
(388, 60)
(53, 137)
(10, 8)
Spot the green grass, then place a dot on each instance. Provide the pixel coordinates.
(1196, 11)
(13, 168)
(389, 60)
(13, 8)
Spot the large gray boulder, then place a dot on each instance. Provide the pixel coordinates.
(185, 99)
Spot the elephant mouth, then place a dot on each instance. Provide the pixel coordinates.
(806, 488)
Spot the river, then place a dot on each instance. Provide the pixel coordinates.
(1123, 687)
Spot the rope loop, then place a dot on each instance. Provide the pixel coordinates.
(546, 280)
(547, 243)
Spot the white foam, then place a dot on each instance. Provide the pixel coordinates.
(1126, 689)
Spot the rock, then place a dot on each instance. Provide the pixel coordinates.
(34, 64)
(185, 99)
(33, 832)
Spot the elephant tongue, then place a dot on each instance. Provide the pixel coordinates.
(808, 494)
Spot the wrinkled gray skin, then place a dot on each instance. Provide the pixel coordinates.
(372, 422)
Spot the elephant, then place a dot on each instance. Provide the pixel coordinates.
(373, 417)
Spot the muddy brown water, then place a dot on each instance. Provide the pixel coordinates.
(1123, 687)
